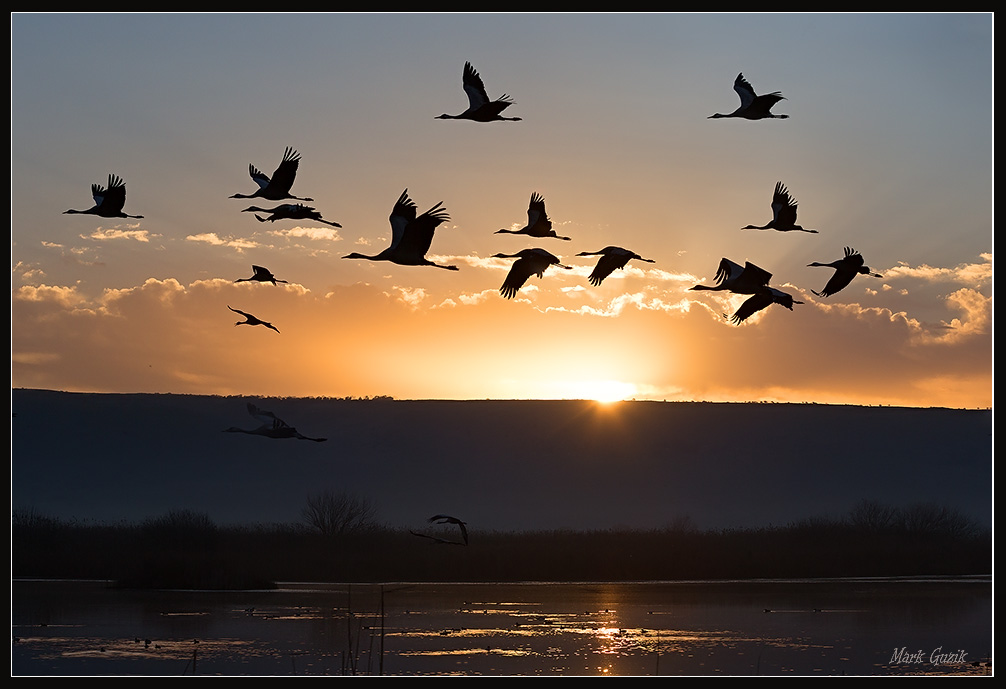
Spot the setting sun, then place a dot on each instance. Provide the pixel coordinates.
(599, 390)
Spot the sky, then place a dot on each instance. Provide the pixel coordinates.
(887, 149)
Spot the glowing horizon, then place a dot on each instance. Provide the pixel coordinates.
(140, 305)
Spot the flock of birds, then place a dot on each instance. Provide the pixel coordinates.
(412, 234)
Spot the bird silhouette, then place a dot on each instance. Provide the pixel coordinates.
(846, 268)
(261, 275)
(538, 223)
(252, 320)
(447, 519)
(783, 213)
(730, 277)
(272, 426)
(612, 258)
(289, 211)
(410, 236)
(529, 262)
(108, 201)
(480, 108)
(278, 187)
(753, 107)
(763, 298)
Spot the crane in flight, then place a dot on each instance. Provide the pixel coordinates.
(731, 277)
(271, 426)
(612, 258)
(783, 213)
(538, 222)
(846, 268)
(252, 320)
(753, 106)
(277, 187)
(411, 236)
(762, 299)
(108, 201)
(448, 519)
(529, 262)
(480, 108)
(260, 274)
(289, 211)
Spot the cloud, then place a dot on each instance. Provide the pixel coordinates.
(924, 349)
(313, 233)
(113, 234)
(216, 240)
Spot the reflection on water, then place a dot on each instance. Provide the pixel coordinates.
(835, 627)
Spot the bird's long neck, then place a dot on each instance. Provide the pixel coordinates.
(376, 257)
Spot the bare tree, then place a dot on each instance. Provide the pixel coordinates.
(337, 514)
(872, 516)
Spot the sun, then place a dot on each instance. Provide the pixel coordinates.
(604, 391)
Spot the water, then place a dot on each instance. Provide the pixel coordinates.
(819, 627)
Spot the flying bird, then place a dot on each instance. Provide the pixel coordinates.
(289, 211)
(753, 107)
(252, 320)
(447, 519)
(846, 268)
(480, 108)
(612, 258)
(108, 201)
(272, 426)
(410, 236)
(261, 275)
(762, 299)
(730, 277)
(529, 262)
(538, 223)
(783, 213)
(276, 188)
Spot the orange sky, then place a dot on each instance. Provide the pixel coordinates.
(615, 135)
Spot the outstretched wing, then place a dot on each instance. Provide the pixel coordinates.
(476, 90)
(282, 179)
(111, 199)
(752, 306)
(417, 235)
(536, 216)
(783, 206)
(753, 275)
(267, 418)
(839, 281)
(727, 270)
(261, 179)
(402, 214)
(744, 89)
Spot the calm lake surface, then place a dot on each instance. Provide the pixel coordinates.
(803, 627)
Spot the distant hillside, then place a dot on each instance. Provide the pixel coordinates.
(505, 465)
